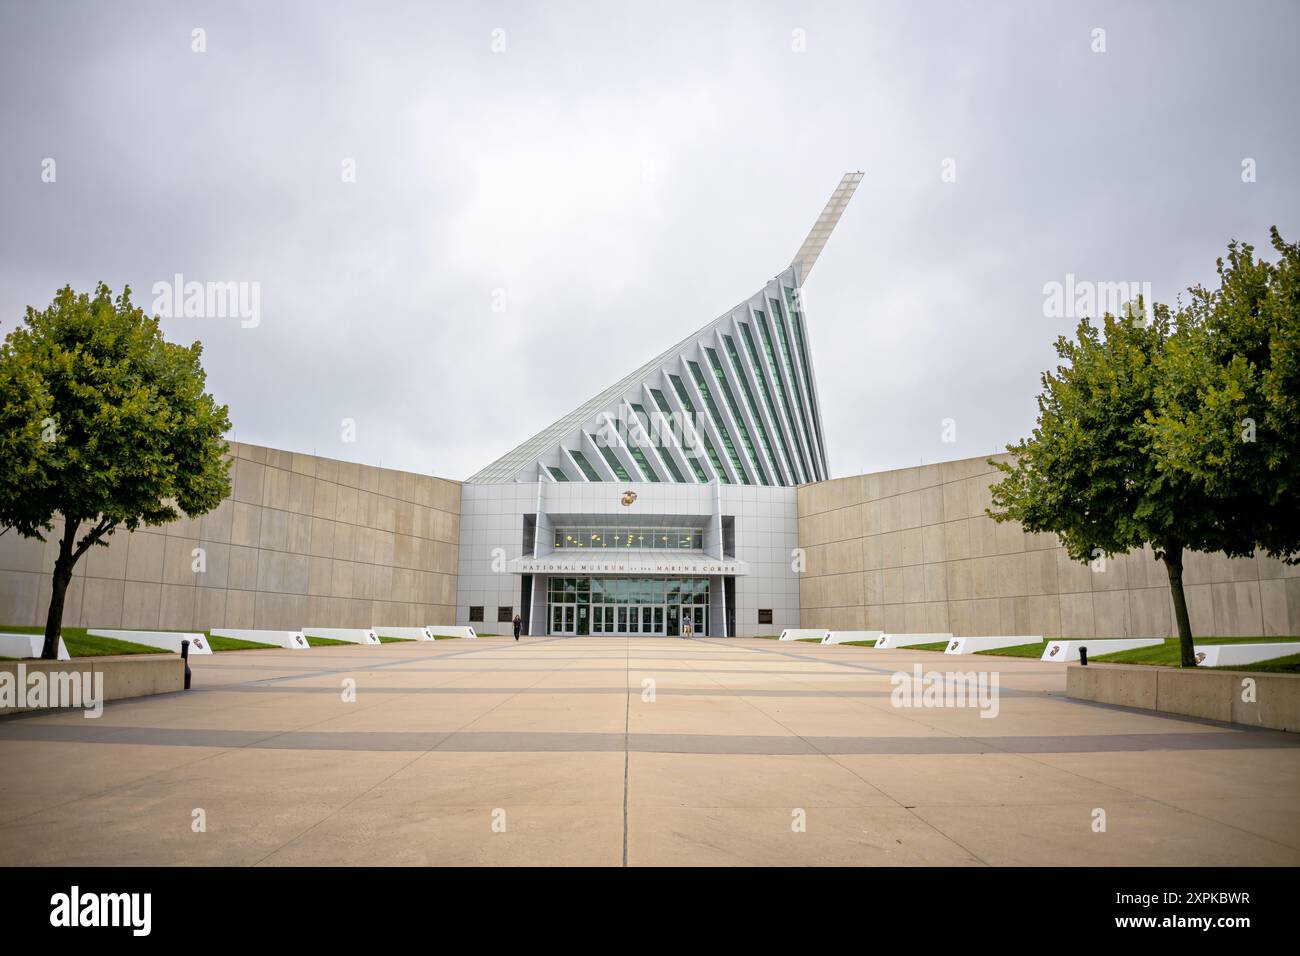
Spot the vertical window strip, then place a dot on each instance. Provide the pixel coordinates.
(730, 398)
(778, 318)
(761, 375)
(708, 445)
(807, 374)
(611, 459)
(665, 455)
(581, 459)
(718, 421)
(753, 408)
(780, 390)
(639, 457)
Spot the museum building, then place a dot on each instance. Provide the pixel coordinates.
(667, 501)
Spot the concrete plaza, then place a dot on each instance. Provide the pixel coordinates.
(612, 751)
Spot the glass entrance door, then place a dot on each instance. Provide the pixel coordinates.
(699, 615)
(563, 619)
(627, 619)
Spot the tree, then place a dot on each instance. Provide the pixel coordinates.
(105, 424)
(1088, 473)
(1228, 402)
(1147, 434)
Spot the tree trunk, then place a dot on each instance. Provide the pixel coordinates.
(62, 577)
(1174, 565)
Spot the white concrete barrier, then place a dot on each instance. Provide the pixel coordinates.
(28, 645)
(969, 645)
(406, 633)
(1223, 655)
(803, 634)
(907, 640)
(446, 630)
(844, 637)
(167, 640)
(1064, 651)
(290, 640)
(352, 635)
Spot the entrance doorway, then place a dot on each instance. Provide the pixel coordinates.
(628, 619)
(654, 607)
(569, 619)
(562, 618)
(651, 620)
(675, 617)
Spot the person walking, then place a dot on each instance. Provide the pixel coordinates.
(686, 626)
(519, 626)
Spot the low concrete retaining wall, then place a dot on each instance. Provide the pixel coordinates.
(135, 675)
(1238, 697)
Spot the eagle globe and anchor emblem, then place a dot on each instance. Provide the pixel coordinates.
(628, 498)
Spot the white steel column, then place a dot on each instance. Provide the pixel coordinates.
(722, 553)
(532, 581)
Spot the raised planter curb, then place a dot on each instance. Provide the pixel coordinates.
(125, 676)
(1256, 699)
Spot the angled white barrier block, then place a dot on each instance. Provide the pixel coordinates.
(445, 630)
(1222, 655)
(1069, 650)
(352, 635)
(406, 633)
(167, 640)
(803, 634)
(907, 640)
(844, 637)
(28, 645)
(290, 640)
(969, 645)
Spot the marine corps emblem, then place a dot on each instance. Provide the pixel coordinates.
(628, 498)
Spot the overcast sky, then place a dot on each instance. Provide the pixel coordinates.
(618, 175)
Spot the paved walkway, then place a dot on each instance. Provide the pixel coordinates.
(639, 751)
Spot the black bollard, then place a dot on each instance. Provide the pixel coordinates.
(1083, 657)
(185, 658)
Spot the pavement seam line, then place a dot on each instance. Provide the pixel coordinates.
(627, 726)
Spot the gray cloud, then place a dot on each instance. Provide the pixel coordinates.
(622, 174)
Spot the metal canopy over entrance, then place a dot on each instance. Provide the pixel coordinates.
(629, 563)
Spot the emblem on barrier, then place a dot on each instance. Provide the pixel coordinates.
(628, 498)
(1055, 648)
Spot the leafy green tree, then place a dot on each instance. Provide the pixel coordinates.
(105, 424)
(1088, 472)
(1228, 402)
(1178, 432)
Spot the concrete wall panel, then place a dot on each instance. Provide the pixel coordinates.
(293, 528)
(931, 556)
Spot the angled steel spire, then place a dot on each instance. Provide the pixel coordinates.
(825, 224)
